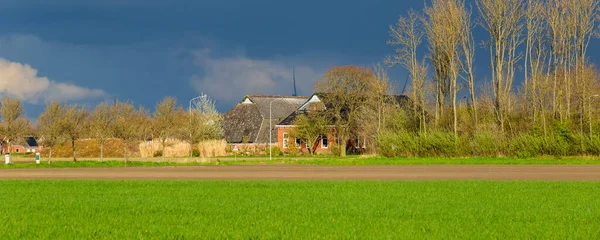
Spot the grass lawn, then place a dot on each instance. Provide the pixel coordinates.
(299, 210)
(331, 161)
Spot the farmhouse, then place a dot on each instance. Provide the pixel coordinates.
(286, 129)
(319, 102)
(251, 120)
(23, 145)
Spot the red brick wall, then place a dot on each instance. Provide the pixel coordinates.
(14, 149)
(302, 148)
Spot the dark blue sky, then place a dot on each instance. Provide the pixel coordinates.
(89, 51)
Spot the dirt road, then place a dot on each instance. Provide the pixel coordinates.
(301, 172)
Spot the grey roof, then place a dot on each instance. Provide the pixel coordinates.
(31, 141)
(252, 119)
(25, 142)
(281, 107)
(289, 120)
(241, 121)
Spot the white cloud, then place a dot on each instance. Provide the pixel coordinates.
(22, 81)
(229, 78)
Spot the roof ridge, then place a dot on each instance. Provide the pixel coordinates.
(275, 96)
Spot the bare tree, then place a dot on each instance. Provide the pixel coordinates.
(445, 26)
(165, 121)
(384, 88)
(100, 125)
(440, 63)
(586, 14)
(555, 14)
(203, 122)
(14, 125)
(468, 51)
(311, 127)
(406, 37)
(50, 124)
(535, 58)
(129, 124)
(350, 88)
(74, 126)
(503, 20)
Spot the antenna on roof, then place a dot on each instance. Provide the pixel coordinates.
(294, 79)
(405, 83)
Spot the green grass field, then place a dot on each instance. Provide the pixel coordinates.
(332, 161)
(299, 210)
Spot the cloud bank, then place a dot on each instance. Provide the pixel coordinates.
(229, 78)
(22, 81)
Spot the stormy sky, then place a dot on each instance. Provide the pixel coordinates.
(85, 52)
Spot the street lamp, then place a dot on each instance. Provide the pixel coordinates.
(190, 109)
(271, 128)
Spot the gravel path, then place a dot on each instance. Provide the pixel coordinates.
(306, 172)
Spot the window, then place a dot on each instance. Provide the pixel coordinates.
(364, 143)
(307, 143)
(298, 142)
(17, 150)
(285, 140)
(361, 142)
(324, 142)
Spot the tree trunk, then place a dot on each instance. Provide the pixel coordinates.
(191, 149)
(590, 116)
(125, 152)
(74, 150)
(455, 114)
(50, 156)
(163, 152)
(343, 147)
(101, 151)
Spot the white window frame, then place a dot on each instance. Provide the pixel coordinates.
(306, 144)
(285, 140)
(324, 146)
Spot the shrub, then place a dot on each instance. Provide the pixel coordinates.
(158, 153)
(578, 144)
(394, 144)
(527, 145)
(557, 146)
(336, 150)
(276, 151)
(292, 149)
(438, 143)
(213, 148)
(486, 144)
(173, 148)
(592, 145)
(385, 145)
(195, 152)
